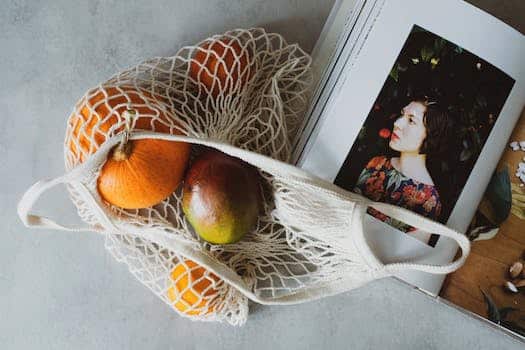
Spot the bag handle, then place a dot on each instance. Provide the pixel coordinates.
(283, 169)
(35, 221)
(357, 229)
(73, 177)
(423, 223)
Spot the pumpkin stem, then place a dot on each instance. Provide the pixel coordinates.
(123, 150)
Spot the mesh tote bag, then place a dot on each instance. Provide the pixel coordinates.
(243, 93)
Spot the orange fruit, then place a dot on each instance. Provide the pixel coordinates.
(143, 172)
(223, 61)
(193, 288)
(150, 170)
(103, 108)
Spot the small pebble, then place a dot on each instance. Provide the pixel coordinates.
(520, 169)
(515, 269)
(511, 287)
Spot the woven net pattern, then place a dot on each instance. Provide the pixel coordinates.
(246, 88)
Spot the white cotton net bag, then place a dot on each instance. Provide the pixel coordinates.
(243, 93)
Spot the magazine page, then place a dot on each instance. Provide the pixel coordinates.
(323, 52)
(492, 281)
(421, 120)
(343, 27)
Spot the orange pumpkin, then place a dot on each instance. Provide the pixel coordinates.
(223, 61)
(193, 289)
(103, 108)
(141, 173)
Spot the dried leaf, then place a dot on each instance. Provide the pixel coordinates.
(483, 236)
(492, 309)
(518, 212)
(516, 188)
(516, 202)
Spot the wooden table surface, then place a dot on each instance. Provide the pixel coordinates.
(487, 267)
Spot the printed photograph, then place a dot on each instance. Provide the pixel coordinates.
(425, 130)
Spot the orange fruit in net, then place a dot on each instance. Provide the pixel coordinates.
(142, 173)
(193, 289)
(150, 170)
(219, 65)
(90, 125)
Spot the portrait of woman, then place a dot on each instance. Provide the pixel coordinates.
(425, 130)
(419, 133)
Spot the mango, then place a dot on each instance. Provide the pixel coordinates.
(221, 197)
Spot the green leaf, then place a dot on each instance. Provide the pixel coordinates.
(458, 49)
(439, 44)
(426, 53)
(394, 73)
(362, 133)
(418, 29)
(362, 178)
(481, 101)
(499, 195)
(465, 154)
(394, 179)
(434, 62)
(477, 139)
(492, 309)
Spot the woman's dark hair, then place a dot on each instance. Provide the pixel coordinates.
(439, 125)
(438, 145)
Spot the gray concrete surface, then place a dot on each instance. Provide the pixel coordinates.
(64, 291)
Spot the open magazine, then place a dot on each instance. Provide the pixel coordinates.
(415, 103)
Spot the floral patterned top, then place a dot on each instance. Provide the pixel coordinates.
(381, 182)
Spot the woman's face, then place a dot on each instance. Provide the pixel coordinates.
(409, 129)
